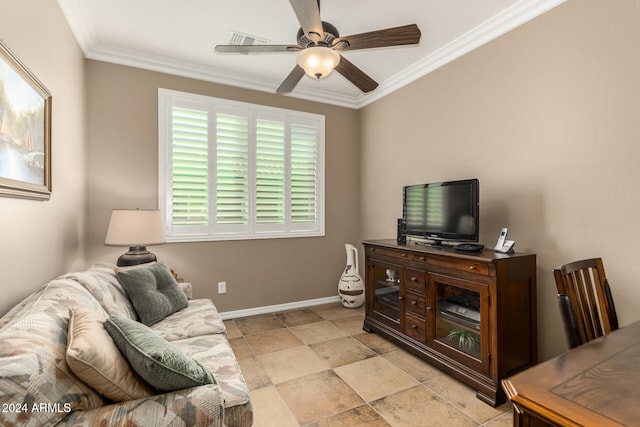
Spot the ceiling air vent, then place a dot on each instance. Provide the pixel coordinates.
(239, 38)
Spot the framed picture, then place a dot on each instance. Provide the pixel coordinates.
(25, 131)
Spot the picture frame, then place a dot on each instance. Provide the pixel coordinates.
(25, 131)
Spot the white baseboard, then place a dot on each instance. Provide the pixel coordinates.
(278, 307)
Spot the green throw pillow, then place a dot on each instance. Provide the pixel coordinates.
(156, 360)
(153, 291)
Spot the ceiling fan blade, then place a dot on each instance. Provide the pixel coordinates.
(308, 13)
(291, 81)
(259, 48)
(396, 36)
(355, 75)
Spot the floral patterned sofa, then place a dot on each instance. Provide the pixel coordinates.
(38, 387)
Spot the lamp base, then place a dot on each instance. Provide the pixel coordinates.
(136, 255)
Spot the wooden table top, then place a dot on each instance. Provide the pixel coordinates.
(595, 384)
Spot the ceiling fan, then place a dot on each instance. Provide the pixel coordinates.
(319, 46)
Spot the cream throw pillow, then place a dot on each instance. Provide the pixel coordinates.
(95, 359)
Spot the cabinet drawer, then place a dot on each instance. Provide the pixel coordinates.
(415, 327)
(415, 280)
(391, 252)
(415, 304)
(461, 265)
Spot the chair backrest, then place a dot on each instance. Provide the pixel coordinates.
(585, 301)
(569, 322)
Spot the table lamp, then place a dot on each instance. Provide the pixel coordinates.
(136, 228)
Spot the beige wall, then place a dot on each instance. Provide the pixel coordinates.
(548, 118)
(41, 240)
(123, 171)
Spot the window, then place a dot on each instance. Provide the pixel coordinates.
(232, 170)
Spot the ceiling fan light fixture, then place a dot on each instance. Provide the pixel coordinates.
(318, 61)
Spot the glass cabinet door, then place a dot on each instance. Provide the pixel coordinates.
(460, 319)
(386, 292)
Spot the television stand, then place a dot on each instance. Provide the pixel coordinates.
(470, 314)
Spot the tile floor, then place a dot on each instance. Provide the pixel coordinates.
(316, 367)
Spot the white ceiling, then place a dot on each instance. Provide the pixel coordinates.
(178, 37)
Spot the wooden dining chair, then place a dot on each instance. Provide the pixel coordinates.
(585, 301)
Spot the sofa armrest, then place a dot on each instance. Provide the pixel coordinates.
(197, 406)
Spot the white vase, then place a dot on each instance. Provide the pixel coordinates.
(351, 285)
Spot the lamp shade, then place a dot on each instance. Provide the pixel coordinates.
(135, 227)
(318, 61)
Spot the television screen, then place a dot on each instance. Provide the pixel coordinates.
(442, 210)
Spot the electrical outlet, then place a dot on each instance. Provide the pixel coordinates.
(222, 287)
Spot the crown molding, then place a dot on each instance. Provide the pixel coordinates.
(510, 18)
(168, 65)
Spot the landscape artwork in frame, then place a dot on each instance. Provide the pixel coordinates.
(25, 131)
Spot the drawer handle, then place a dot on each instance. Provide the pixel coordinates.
(422, 258)
(414, 302)
(429, 308)
(472, 267)
(403, 255)
(414, 326)
(414, 279)
(400, 298)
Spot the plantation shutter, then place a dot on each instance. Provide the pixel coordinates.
(189, 171)
(232, 170)
(304, 173)
(270, 174)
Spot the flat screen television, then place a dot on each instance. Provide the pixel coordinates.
(442, 211)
